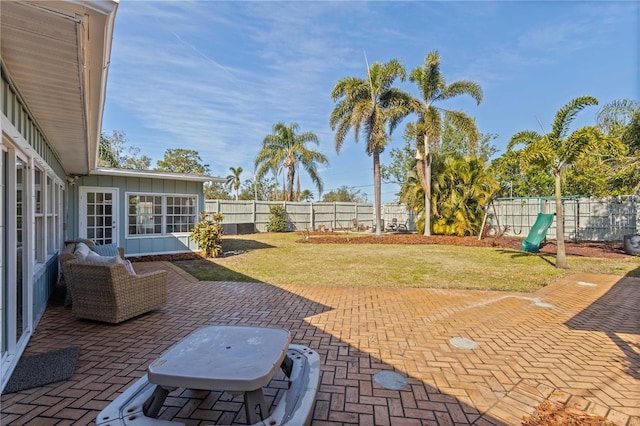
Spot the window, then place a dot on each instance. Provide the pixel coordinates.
(145, 214)
(181, 214)
(39, 178)
(160, 214)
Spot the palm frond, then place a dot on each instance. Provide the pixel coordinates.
(463, 87)
(524, 137)
(565, 115)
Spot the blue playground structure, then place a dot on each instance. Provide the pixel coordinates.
(538, 233)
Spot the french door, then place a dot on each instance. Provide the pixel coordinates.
(99, 214)
(14, 277)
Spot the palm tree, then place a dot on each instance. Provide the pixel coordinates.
(621, 118)
(555, 151)
(233, 180)
(370, 106)
(430, 125)
(306, 195)
(285, 149)
(463, 187)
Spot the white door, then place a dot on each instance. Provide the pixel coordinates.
(15, 296)
(99, 214)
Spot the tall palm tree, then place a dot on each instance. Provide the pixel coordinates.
(233, 180)
(286, 149)
(370, 105)
(430, 125)
(555, 151)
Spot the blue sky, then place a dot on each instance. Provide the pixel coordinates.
(215, 76)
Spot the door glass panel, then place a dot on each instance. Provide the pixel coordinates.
(100, 223)
(21, 253)
(4, 277)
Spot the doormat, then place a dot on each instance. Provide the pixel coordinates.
(41, 369)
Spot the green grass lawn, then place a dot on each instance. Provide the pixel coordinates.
(279, 259)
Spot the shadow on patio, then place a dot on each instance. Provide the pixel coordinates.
(358, 332)
(112, 357)
(617, 314)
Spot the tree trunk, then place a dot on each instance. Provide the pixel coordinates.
(377, 190)
(427, 187)
(561, 255)
(291, 178)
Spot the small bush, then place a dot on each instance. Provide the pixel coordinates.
(277, 219)
(207, 234)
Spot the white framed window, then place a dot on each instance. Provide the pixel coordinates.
(144, 214)
(39, 195)
(181, 214)
(160, 214)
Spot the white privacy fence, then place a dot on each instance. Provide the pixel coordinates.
(253, 216)
(585, 219)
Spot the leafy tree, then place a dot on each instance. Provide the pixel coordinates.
(516, 181)
(429, 127)
(403, 161)
(233, 180)
(286, 149)
(343, 194)
(111, 153)
(182, 160)
(370, 106)
(456, 142)
(261, 190)
(216, 191)
(555, 151)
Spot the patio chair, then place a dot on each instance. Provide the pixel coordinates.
(392, 225)
(108, 292)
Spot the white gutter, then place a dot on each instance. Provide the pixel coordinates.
(155, 174)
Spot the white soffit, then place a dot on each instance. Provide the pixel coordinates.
(55, 53)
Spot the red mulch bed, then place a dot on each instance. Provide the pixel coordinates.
(604, 249)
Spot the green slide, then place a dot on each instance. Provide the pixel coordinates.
(537, 233)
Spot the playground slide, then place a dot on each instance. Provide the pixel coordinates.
(537, 233)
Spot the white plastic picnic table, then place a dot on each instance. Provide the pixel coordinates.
(228, 358)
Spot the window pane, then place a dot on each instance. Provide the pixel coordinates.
(181, 217)
(145, 212)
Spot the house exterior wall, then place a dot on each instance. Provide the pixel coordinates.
(137, 245)
(31, 224)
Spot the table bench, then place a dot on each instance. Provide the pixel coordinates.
(141, 402)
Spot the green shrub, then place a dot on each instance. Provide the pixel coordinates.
(207, 234)
(277, 219)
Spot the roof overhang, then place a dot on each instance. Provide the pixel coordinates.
(154, 174)
(57, 56)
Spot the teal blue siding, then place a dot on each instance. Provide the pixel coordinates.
(43, 285)
(139, 245)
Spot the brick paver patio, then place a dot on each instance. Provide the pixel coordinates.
(575, 341)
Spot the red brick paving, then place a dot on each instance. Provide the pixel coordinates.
(585, 350)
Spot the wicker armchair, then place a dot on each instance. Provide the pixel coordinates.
(109, 293)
